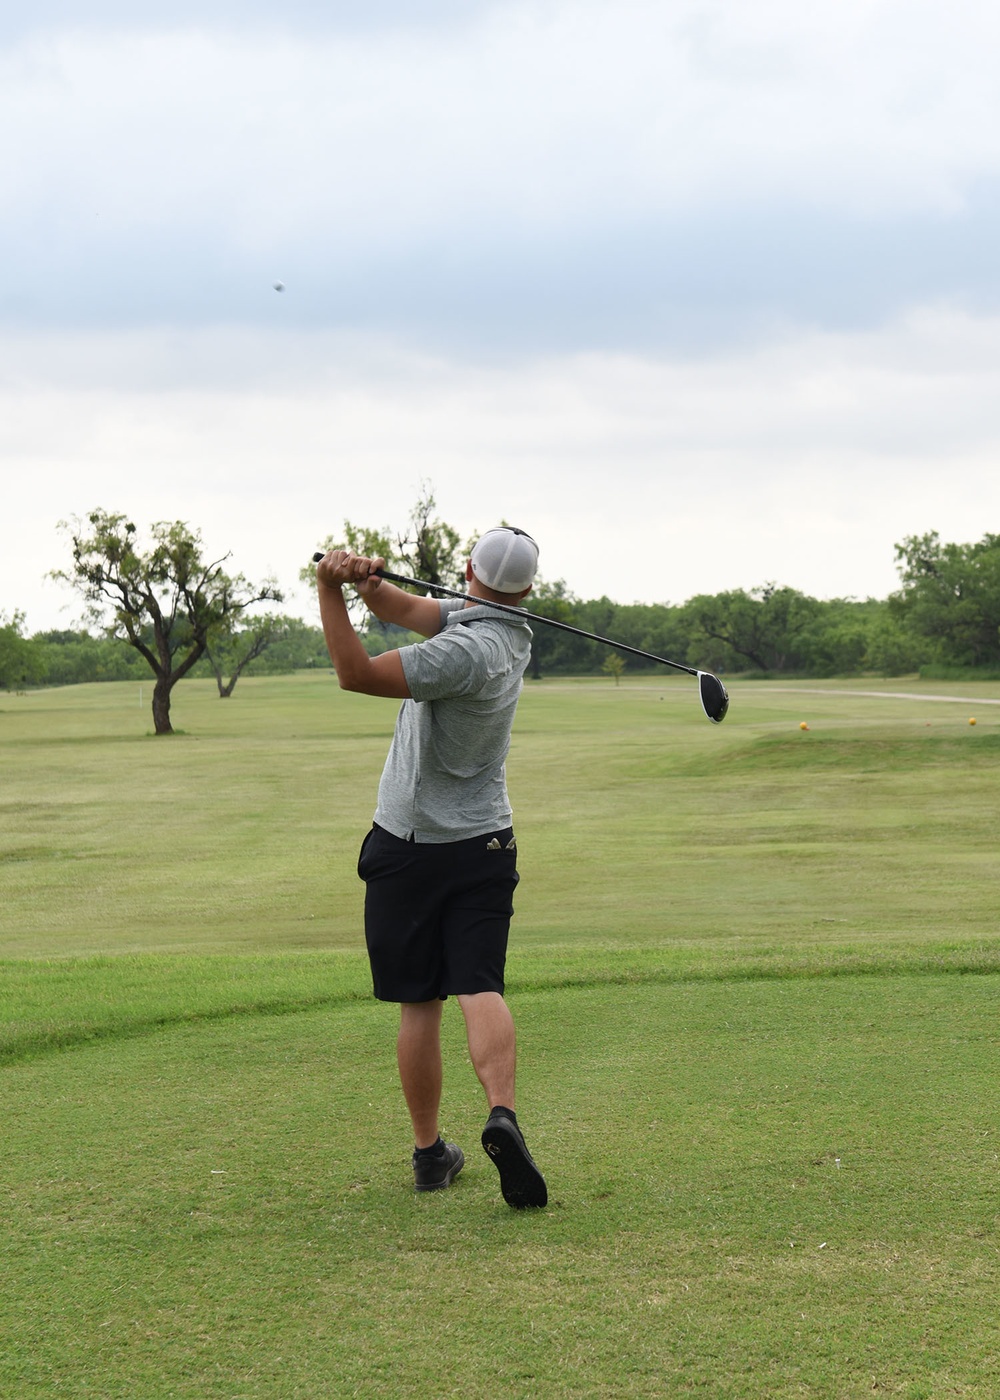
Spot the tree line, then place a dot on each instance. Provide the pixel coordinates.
(167, 610)
(945, 614)
(75, 656)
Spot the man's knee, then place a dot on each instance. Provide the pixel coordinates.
(488, 1002)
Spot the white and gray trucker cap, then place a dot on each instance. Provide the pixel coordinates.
(505, 559)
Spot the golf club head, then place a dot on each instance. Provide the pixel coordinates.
(714, 696)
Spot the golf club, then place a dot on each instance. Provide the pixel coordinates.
(714, 696)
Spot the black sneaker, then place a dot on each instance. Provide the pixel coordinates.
(432, 1173)
(521, 1182)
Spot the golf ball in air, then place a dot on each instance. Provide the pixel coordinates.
(279, 286)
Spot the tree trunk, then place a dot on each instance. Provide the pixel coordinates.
(161, 705)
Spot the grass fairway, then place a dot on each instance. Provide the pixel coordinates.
(756, 978)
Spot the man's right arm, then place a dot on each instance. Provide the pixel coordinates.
(391, 604)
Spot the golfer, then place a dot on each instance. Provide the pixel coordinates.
(439, 863)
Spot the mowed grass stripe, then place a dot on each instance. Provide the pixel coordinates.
(46, 1007)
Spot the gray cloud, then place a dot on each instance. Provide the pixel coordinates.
(325, 16)
(735, 276)
(541, 176)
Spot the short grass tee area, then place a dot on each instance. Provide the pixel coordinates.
(755, 970)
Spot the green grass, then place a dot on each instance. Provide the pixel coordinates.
(756, 977)
(240, 834)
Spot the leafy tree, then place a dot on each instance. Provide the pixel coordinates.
(766, 626)
(950, 595)
(653, 627)
(552, 650)
(430, 549)
(75, 657)
(849, 636)
(21, 660)
(231, 651)
(299, 647)
(893, 650)
(426, 548)
(167, 601)
(614, 665)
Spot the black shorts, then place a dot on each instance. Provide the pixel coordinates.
(437, 916)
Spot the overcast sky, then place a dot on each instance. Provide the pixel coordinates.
(704, 295)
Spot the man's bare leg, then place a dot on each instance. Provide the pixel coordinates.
(418, 1054)
(492, 1047)
(489, 1027)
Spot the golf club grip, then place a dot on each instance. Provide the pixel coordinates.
(530, 616)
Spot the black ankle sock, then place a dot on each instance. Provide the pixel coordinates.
(436, 1149)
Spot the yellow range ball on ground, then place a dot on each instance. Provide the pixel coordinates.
(803, 725)
(972, 721)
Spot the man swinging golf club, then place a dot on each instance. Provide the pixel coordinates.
(439, 863)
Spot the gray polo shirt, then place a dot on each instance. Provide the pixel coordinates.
(444, 777)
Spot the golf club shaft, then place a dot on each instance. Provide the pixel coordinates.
(533, 617)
